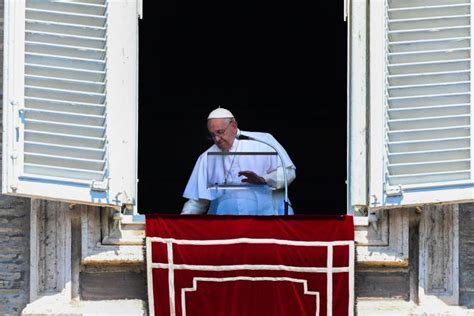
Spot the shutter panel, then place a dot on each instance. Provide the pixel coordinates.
(63, 140)
(424, 105)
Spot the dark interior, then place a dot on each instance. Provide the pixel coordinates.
(280, 68)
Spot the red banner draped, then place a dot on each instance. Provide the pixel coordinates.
(239, 265)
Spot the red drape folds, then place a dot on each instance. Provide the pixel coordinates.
(239, 265)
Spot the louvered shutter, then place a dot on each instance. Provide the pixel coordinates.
(420, 103)
(70, 100)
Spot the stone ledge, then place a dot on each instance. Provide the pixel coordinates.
(115, 255)
(375, 307)
(52, 306)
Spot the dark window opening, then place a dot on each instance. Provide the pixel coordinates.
(279, 68)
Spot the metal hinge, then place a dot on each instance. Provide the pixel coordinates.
(393, 191)
(124, 200)
(100, 186)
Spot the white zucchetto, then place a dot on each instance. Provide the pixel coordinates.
(220, 113)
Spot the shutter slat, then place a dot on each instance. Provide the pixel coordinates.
(436, 33)
(429, 89)
(433, 44)
(429, 167)
(428, 66)
(429, 133)
(64, 95)
(430, 178)
(429, 56)
(63, 117)
(429, 145)
(69, 40)
(63, 172)
(429, 11)
(63, 139)
(66, 73)
(433, 100)
(64, 51)
(68, 18)
(429, 122)
(427, 78)
(63, 84)
(67, 129)
(65, 28)
(65, 151)
(423, 23)
(64, 106)
(66, 62)
(427, 156)
(420, 3)
(64, 162)
(410, 113)
(89, 1)
(67, 6)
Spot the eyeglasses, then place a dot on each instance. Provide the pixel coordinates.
(219, 132)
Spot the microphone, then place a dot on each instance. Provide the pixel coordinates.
(244, 137)
(285, 176)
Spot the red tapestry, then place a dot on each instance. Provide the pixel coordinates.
(242, 265)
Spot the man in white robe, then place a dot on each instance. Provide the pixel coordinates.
(263, 173)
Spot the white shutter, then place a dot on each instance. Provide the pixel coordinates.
(70, 100)
(421, 105)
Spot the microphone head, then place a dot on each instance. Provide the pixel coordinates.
(244, 137)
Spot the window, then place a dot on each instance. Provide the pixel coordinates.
(420, 102)
(70, 100)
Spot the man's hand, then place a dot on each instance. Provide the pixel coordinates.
(252, 177)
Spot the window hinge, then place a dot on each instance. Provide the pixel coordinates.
(100, 186)
(393, 191)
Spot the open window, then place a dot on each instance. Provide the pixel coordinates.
(70, 100)
(420, 103)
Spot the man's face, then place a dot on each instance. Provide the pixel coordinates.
(222, 132)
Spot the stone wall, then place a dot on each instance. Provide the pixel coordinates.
(466, 255)
(14, 254)
(14, 238)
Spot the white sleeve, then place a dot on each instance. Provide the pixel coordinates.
(195, 207)
(277, 179)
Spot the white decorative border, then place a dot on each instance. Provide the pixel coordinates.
(329, 269)
(246, 278)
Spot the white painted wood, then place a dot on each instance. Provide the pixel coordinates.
(357, 106)
(70, 105)
(377, 102)
(420, 104)
(124, 82)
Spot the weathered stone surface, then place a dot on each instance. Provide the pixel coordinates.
(14, 255)
(120, 285)
(382, 283)
(14, 236)
(466, 255)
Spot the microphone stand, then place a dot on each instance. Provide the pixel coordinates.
(285, 176)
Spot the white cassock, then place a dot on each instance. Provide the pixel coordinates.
(256, 200)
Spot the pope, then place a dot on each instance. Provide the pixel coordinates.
(260, 175)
